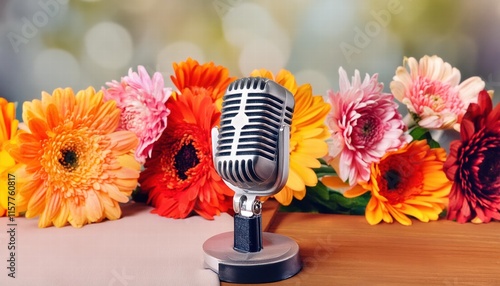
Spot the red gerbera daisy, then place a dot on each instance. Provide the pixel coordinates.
(473, 164)
(180, 176)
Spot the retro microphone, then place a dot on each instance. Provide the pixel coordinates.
(251, 154)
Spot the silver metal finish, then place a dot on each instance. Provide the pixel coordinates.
(278, 260)
(252, 148)
(251, 153)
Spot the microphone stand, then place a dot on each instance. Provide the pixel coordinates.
(248, 255)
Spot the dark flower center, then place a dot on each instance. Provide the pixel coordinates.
(367, 131)
(368, 126)
(400, 178)
(393, 179)
(185, 159)
(69, 159)
(489, 169)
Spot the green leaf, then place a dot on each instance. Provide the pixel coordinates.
(433, 143)
(322, 161)
(354, 206)
(420, 133)
(139, 196)
(324, 170)
(322, 191)
(321, 199)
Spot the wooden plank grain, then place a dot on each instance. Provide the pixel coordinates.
(346, 250)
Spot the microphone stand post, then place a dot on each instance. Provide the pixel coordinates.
(248, 229)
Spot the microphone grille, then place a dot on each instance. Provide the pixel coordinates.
(265, 111)
(253, 111)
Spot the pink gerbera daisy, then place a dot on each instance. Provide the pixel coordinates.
(365, 124)
(142, 101)
(432, 93)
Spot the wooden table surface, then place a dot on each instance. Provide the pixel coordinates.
(346, 250)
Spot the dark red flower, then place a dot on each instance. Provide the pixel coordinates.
(474, 164)
(180, 176)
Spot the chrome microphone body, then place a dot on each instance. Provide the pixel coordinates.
(251, 149)
(251, 153)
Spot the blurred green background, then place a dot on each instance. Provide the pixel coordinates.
(58, 43)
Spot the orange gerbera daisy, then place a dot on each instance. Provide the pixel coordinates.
(308, 134)
(8, 130)
(180, 176)
(79, 168)
(190, 74)
(409, 181)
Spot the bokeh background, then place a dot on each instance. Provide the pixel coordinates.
(79, 43)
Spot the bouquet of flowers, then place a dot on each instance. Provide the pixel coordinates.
(402, 168)
(78, 156)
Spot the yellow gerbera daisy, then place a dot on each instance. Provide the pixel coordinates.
(406, 182)
(8, 131)
(79, 167)
(308, 134)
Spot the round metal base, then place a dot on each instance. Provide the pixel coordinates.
(278, 260)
